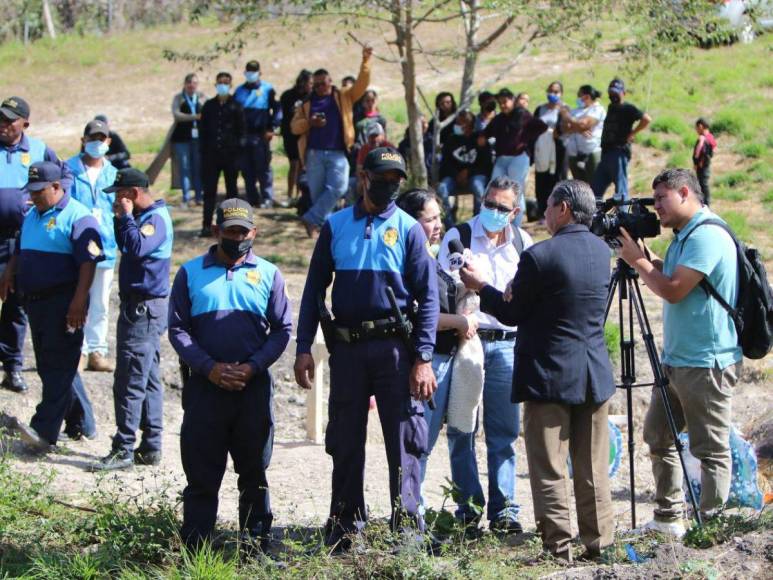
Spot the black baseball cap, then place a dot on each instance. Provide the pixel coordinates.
(129, 177)
(383, 159)
(15, 108)
(42, 174)
(616, 86)
(505, 92)
(235, 212)
(96, 127)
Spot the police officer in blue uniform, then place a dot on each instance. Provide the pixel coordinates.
(144, 233)
(53, 265)
(17, 152)
(262, 116)
(229, 321)
(371, 246)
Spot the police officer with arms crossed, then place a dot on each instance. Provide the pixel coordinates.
(229, 320)
(17, 152)
(144, 232)
(54, 265)
(371, 246)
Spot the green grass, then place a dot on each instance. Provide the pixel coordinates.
(670, 124)
(733, 179)
(726, 194)
(751, 150)
(738, 223)
(612, 340)
(725, 527)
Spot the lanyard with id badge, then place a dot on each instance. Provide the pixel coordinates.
(192, 105)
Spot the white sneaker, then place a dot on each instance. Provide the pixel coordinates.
(674, 529)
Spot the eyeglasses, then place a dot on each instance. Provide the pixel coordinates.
(494, 205)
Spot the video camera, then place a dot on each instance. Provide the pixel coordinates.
(638, 221)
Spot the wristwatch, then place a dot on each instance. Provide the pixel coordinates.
(425, 356)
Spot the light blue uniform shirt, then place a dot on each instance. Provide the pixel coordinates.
(697, 331)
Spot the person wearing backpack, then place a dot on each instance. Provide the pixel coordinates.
(496, 246)
(701, 354)
(701, 156)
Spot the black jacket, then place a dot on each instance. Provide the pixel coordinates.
(221, 127)
(559, 297)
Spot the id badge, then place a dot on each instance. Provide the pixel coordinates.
(195, 133)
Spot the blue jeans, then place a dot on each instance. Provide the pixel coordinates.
(441, 366)
(189, 160)
(138, 392)
(256, 168)
(613, 168)
(501, 420)
(327, 172)
(447, 187)
(516, 168)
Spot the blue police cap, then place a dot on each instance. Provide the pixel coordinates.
(42, 174)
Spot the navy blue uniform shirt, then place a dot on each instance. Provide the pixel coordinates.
(15, 161)
(53, 245)
(237, 315)
(146, 251)
(261, 109)
(367, 253)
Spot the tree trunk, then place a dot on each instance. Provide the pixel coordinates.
(470, 12)
(402, 20)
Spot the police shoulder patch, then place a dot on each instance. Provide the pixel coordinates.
(148, 229)
(94, 249)
(253, 276)
(390, 237)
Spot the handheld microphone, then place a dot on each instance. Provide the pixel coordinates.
(457, 255)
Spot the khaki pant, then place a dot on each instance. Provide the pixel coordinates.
(553, 432)
(700, 401)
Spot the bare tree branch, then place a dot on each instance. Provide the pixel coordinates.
(376, 56)
(425, 16)
(486, 42)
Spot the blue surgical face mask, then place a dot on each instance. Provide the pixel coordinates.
(458, 130)
(252, 76)
(492, 220)
(222, 89)
(96, 149)
(554, 98)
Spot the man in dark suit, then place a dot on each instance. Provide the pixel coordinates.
(562, 370)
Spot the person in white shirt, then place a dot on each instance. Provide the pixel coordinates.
(495, 245)
(582, 128)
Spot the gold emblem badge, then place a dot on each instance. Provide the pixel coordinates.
(94, 249)
(148, 230)
(390, 237)
(253, 276)
(25, 158)
(51, 224)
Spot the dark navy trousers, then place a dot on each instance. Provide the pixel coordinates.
(217, 423)
(256, 167)
(138, 392)
(13, 319)
(57, 353)
(357, 371)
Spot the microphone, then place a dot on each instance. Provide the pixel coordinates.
(457, 255)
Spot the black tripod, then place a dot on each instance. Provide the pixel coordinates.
(626, 281)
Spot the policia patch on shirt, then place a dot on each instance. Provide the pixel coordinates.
(253, 276)
(93, 249)
(148, 230)
(51, 224)
(390, 237)
(25, 158)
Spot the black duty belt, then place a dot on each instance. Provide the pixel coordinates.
(494, 334)
(138, 297)
(48, 292)
(8, 234)
(368, 330)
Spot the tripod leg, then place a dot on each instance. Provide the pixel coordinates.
(661, 383)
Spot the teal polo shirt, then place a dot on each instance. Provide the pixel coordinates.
(697, 331)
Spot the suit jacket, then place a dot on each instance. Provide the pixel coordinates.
(559, 298)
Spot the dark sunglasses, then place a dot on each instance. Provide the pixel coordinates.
(494, 205)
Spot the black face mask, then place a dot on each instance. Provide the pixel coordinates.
(382, 192)
(490, 107)
(235, 249)
(614, 98)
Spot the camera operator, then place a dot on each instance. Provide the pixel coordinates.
(562, 369)
(701, 357)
